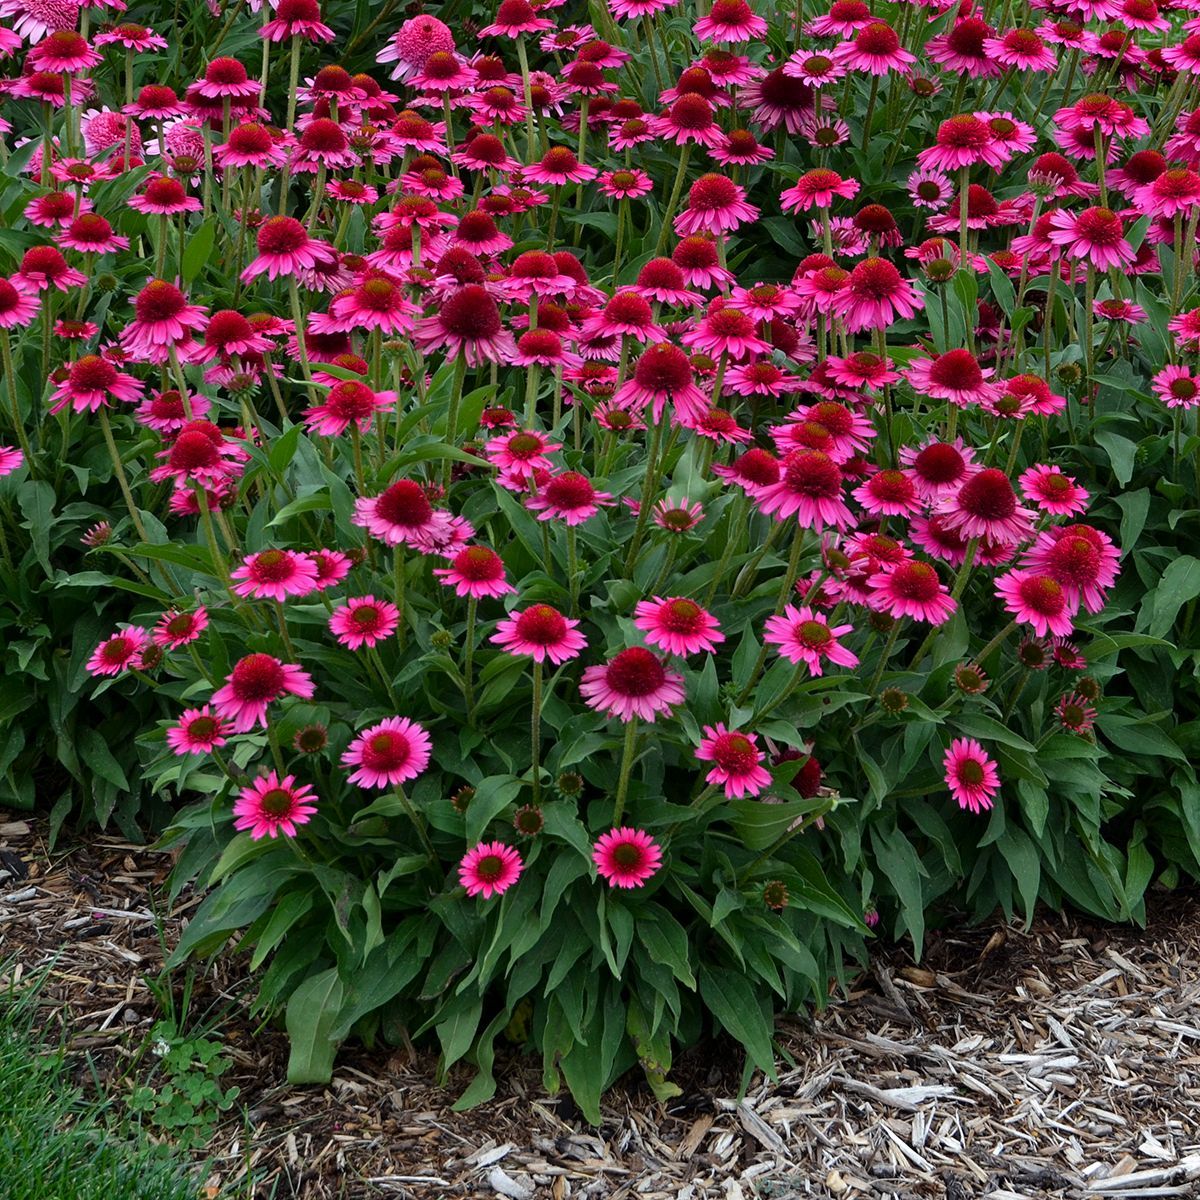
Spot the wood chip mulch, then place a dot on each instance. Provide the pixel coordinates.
(1059, 1062)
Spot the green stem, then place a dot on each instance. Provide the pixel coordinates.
(627, 757)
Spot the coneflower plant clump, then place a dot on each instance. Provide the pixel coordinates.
(578, 517)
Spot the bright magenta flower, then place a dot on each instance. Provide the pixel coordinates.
(971, 775)
(626, 857)
(388, 754)
(270, 806)
(737, 761)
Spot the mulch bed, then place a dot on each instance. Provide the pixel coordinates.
(1061, 1062)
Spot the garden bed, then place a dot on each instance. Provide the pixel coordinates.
(1061, 1062)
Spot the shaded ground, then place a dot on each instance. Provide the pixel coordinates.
(1063, 1062)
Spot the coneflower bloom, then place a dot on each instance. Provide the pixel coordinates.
(63, 52)
(634, 683)
(198, 731)
(817, 189)
(118, 652)
(132, 37)
(285, 248)
(91, 383)
(19, 303)
(626, 857)
(269, 806)
(715, 205)
(736, 761)
(875, 296)
(468, 323)
(475, 571)
(677, 517)
(962, 141)
(55, 209)
(970, 775)
(275, 575)
(889, 493)
(251, 145)
(43, 267)
(389, 753)
(164, 196)
(730, 22)
(844, 18)
(930, 189)
(911, 589)
(690, 119)
(1081, 559)
(726, 331)
(986, 506)
(156, 102)
(1052, 491)
(568, 497)
(401, 516)
(804, 636)
(1037, 600)
(521, 453)
(226, 78)
(1021, 49)
(875, 49)
(163, 319)
(11, 459)
(91, 234)
(347, 403)
(296, 18)
(622, 184)
(490, 869)
(515, 17)
(1095, 235)
(938, 468)
(1075, 713)
(1177, 387)
(955, 376)
(541, 632)
(740, 148)
(255, 681)
(559, 166)
(363, 621)
(809, 488)
(175, 629)
(677, 625)
(697, 258)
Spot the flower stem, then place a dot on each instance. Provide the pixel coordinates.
(627, 757)
(535, 734)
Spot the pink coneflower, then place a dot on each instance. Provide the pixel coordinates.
(270, 806)
(715, 205)
(521, 453)
(285, 249)
(726, 331)
(43, 267)
(251, 145)
(156, 102)
(347, 403)
(275, 575)
(515, 17)
(629, 184)
(296, 18)
(19, 303)
(737, 761)
(809, 488)
(131, 37)
(1075, 714)
(229, 335)
(875, 296)
(227, 78)
(164, 196)
(875, 49)
(938, 468)
(844, 18)
(198, 731)
(11, 459)
(1036, 600)
(730, 22)
(55, 209)
(1053, 492)
(662, 280)
(930, 189)
(760, 378)
(165, 412)
(740, 148)
(626, 857)
(1021, 49)
(911, 589)
(1096, 235)
(986, 507)
(543, 348)
(118, 652)
(677, 516)
(971, 775)
(697, 258)
(1082, 559)
(541, 632)
(363, 621)
(475, 571)
(817, 189)
(91, 383)
(955, 376)
(163, 319)
(401, 516)
(1120, 311)
(467, 323)
(804, 636)
(1177, 387)
(690, 119)
(332, 567)
(388, 753)
(814, 68)
(889, 493)
(962, 141)
(634, 683)
(255, 681)
(64, 52)
(627, 314)
(199, 454)
(91, 234)
(489, 870)
(417, 40)
(175, 629)
(568, 497)
(677, 625)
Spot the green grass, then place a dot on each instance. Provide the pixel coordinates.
(55, 1144)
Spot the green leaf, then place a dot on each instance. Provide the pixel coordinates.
(456, 1029)
(1121, 453)
(312, 1013)
(198, 250)
(1179, 584)
(733, 1002)
(492, 797)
